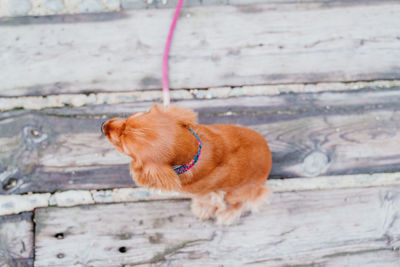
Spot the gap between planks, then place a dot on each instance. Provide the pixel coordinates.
(79, 100)
(14, 204)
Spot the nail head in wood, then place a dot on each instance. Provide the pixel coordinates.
(122, 249)
(59, 235)
(60, 255)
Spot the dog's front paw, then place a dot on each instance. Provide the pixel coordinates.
(230, 215)
(203, 211)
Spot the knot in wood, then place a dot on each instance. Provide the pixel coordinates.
(315, 163)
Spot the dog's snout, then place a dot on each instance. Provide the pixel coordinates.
(102, 127)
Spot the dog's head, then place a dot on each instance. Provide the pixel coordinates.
(153, 139)
(145, 132)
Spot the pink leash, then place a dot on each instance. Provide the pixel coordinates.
(166, 95)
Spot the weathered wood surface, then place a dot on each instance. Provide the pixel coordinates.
(133, 4)
(214, 46)
(15, 203)
(325, 228)
(310, 135)
(16, 240)
(80, 100)
(12, 8)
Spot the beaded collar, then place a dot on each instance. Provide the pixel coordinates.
(179, 169)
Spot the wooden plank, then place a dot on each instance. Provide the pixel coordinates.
(315, 227)
(16, 240)
(79, 100)
(15, 204)
(10, 8)
(331, 133)
(214, 46)
(138, 4)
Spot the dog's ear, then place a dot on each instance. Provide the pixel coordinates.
(159, 176)
(184, 116)
(113, 129)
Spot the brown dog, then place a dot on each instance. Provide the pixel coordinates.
(222, 167)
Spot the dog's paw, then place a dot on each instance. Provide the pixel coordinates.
(262, 198)
(227, 217)
(203, 211)
(230, 215)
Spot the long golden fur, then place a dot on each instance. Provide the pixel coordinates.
(228, 178)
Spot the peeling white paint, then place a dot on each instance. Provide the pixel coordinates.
(14, 204)
(71, 198)
(13, 8)
(131, 194)
(79, 100)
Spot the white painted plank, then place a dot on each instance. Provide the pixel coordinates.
(14, 204)
(213, 46)
(12, 8)
(318, 227)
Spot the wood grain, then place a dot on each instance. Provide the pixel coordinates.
(214, 46)
(325, 228)
(16, 240)
(331, 133)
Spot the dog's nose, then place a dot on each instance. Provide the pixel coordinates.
(102, 127)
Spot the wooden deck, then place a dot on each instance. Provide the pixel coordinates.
(319, 79)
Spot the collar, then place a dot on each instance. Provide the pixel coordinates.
(179, 169)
